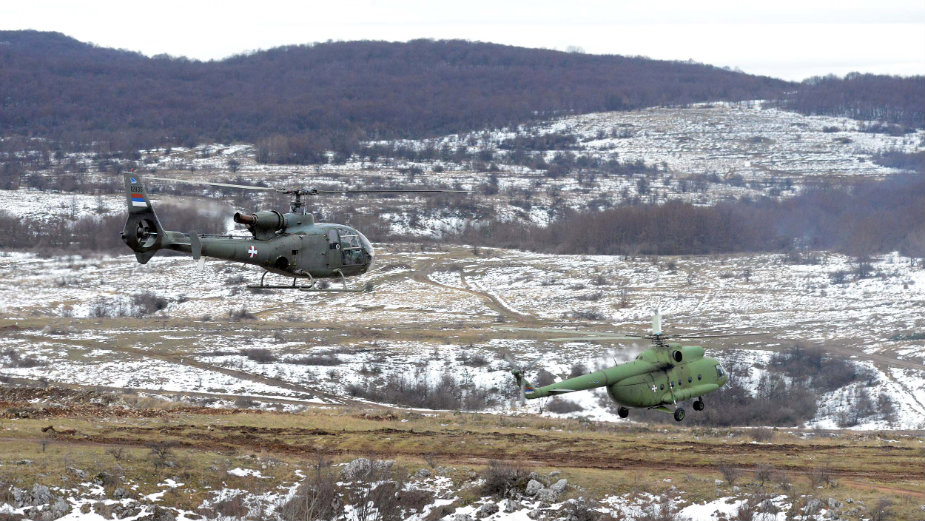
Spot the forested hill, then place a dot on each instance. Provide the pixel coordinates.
(299, 100)
(326, 96)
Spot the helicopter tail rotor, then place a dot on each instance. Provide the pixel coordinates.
(518, 371)
(143, 232)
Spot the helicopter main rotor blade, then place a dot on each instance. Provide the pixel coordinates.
(390, 191)
(595, 338)
(209, 183)
(560, 331)
(718, 335)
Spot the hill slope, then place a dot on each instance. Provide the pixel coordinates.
(329, 94)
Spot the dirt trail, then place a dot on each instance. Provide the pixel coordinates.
(422, 275)
(190, 361)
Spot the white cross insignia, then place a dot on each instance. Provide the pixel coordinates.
(654, 388)
(252, 252)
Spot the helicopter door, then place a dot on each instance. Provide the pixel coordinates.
(334, 258)
(351, 249)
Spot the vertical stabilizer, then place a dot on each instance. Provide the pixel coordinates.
(143, 232)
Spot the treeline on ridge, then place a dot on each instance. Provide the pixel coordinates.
(898, 101)
(295, 101)
(860, 220)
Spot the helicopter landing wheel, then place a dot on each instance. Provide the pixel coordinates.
(679, 414)
(698, 405)
(623, 412)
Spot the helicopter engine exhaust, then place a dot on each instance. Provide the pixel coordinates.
(262, 221)
(241, 218)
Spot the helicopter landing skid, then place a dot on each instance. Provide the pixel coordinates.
(343, 280)
(305, 287)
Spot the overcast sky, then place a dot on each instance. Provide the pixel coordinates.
(785, 38)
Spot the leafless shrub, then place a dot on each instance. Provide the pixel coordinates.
(231, 508)
(582, 509)
(812, 364)
(431, 459)
(838, 277)
(146, 303)
(327, 359)
(378, 493)
(244, 402)
(730, 473)
(259, 355)
(414, 500)
(624, 298)
(316, 498)
(24, 362)
(502, 479)
(473, 359)
(863, 406)
(761, 434)
(578, 369)
(591, 297)
(745, 512)
(562, 406)
(661, 511)
(764, 473)
(882, 510)
(240, 314)
(586, 314)
(103, 308)
(800, 257)
(118, 452)
(417, 391)
(234, 280)
(160, 455)
(821, 477)
(543, 378)
(220, 352)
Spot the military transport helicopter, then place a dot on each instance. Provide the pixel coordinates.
(290, 244)
(664, 375)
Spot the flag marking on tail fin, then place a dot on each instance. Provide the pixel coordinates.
(138, 200)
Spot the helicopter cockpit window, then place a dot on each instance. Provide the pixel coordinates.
(719, 371)
(333, 242)
(351, 247)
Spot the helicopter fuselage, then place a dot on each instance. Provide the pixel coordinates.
(663, 375)
(289, 244)
(302, 249)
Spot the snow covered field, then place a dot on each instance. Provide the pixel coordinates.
(701, 154)
(79, 319)
(437, 312)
